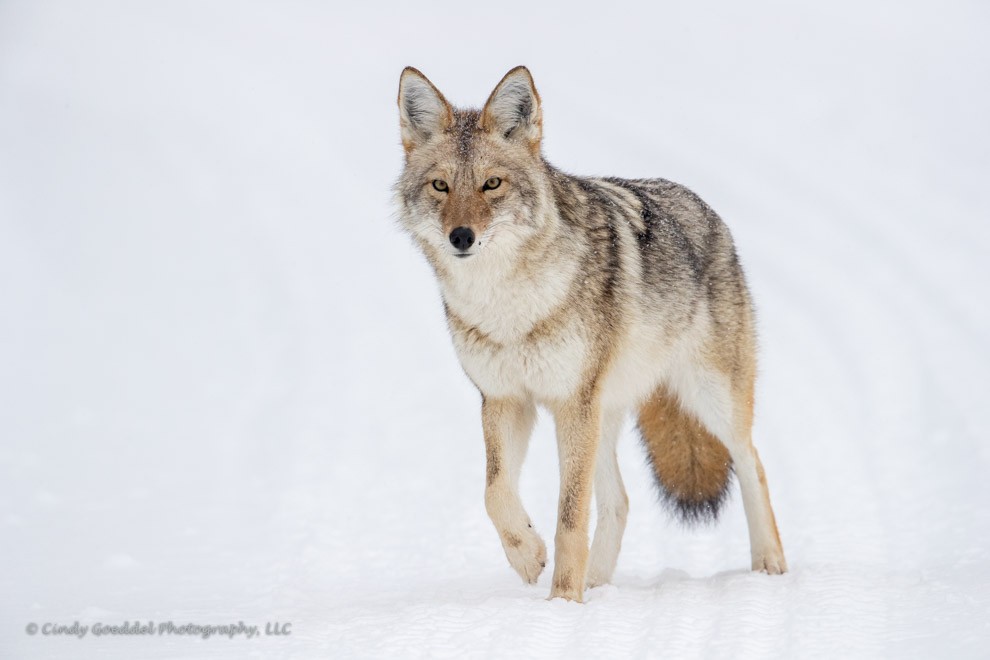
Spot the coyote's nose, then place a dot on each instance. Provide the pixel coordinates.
(462, 238)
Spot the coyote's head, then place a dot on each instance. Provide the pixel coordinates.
(474, 181)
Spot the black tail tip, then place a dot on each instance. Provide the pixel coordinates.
(693, 512)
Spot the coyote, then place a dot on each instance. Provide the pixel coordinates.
(589, 296)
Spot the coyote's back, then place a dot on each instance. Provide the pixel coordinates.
(592, 297)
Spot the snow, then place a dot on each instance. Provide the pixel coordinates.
(228, 391)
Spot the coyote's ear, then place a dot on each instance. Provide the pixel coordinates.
(513, 110)
(423, 111)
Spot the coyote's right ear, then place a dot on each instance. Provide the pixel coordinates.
(423, 111)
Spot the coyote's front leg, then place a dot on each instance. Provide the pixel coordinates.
(507, 424)
(578, 432)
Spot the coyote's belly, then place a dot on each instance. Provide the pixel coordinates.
(637, 366)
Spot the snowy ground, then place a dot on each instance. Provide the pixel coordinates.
(227, 389)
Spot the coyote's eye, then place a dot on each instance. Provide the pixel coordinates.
(440, 185)
(492, 183)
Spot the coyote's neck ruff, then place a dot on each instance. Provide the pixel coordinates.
(592, 297)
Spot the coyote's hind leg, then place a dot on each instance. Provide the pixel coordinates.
(612, 503)
(764, 539)
(725, 406)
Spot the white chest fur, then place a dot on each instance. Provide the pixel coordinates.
(518, 336)
(547, 368)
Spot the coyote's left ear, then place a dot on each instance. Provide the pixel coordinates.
(513, 110)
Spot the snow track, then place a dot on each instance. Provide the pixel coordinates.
(228, 393)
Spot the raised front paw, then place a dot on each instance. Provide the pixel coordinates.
(526, 553)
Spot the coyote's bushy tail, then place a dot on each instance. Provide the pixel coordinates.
(693, 469)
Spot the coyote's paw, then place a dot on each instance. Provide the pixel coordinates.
(601, 566)
(596, 578)
(771, 563)
(526, 553)
(566, 588)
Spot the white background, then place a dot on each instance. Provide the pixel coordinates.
(226, 388)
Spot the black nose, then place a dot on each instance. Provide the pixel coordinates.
(462, 238)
